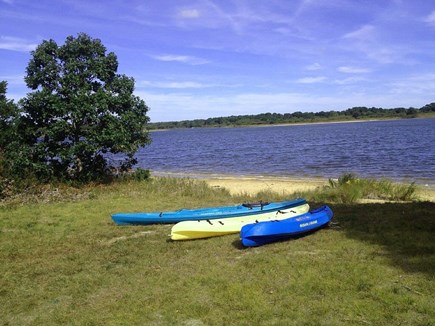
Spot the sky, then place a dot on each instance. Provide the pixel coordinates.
(199, 59)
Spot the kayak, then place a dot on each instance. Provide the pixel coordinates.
(241, 210)
(261, 233)
(189, 230)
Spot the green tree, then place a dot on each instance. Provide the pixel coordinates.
(428, 108)
(80, 111)
(8, 114)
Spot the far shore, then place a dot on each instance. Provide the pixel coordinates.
(284, 185)
(302, 123)
(284, 124)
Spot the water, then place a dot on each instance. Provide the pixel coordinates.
(401, 150)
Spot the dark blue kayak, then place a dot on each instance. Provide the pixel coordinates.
(206, 213)
(257, 234)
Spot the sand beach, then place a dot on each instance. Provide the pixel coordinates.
(253, 185)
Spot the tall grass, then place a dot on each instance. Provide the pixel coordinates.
(350, 189)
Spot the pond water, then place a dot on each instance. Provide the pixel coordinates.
(402, 150)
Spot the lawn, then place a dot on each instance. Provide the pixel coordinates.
(63, 261)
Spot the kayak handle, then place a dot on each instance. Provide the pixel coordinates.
(256, 204)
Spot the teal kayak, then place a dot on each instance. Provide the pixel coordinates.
(247, 209)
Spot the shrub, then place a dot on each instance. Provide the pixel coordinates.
(6, 187)
(141, 174)
(349, 189)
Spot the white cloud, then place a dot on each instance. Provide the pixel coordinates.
(353, 70)
(363, 33)
(173, 85)
(314, 66)
(350, 80)
(283, 30)
(311, 80)
(206, 15)
(189, 13)
(16, 44)
(367, 41)
(417, 84)
(181, 58)
(430, 19)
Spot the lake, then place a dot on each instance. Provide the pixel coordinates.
(400, 150)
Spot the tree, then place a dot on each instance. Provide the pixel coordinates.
(8, 113)
(428, 108)
(80, 111)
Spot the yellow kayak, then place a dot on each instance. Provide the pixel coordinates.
(189, 230)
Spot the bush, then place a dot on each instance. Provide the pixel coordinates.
(141, 174)
(6, 187)
(348, 189)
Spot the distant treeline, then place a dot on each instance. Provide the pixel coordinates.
(355, 113)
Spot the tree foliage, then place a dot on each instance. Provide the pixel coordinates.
(355, 113)
(80, 112)
(8, 113)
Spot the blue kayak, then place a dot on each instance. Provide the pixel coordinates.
(257, 234)
(205, 213)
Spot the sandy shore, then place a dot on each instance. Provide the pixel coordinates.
(253, 185)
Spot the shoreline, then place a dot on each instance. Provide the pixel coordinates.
(289, 124)
(300, 123)
(251, 184)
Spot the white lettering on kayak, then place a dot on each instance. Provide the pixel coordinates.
(307, 224)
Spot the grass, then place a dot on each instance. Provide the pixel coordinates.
(65, 262)
(350, 189)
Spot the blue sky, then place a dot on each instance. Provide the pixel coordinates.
(210, 58)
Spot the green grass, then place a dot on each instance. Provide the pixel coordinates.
(66, 262)
(350, 189)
